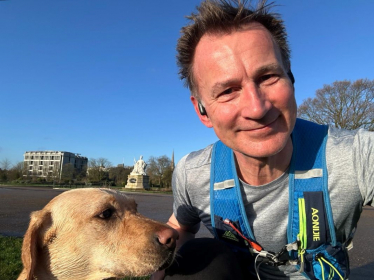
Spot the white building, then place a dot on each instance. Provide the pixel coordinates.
(50, 163)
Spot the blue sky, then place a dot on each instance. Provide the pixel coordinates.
(99, 77)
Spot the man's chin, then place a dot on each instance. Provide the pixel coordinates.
(262, 150)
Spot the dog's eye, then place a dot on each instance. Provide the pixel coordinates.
(106, 214)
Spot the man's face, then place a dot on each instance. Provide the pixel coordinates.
(247, 94)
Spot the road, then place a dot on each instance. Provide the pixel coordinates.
(16, 204)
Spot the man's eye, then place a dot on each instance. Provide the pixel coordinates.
(268, 77)
(106, 214)
(228, 91)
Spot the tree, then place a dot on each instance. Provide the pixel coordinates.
(119, 174)
(168, 177)
(82, 173)
(9, 172)
(3, 175)
(16, 171)
(5, 164)
(98, 169)
(343, 104)
(159, 170)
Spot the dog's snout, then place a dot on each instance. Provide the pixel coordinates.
(167, 237)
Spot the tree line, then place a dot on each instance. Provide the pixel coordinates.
(159, 169)
(98, 172)
(10, 172)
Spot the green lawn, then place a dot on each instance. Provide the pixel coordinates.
(10, 259)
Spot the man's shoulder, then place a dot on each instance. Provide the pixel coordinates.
(349, 137)
(198, 158)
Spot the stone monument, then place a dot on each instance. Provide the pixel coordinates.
(138, 179)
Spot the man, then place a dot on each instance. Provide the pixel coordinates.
(236, 62)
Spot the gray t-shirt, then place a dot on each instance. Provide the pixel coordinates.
(350, 165)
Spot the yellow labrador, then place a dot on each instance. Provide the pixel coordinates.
(94, 234)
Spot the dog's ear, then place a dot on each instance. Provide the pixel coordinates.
(33, 240)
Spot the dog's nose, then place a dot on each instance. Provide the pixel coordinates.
(167, 237)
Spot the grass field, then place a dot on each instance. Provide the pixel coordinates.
(10, 259)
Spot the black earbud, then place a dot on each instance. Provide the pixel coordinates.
(201, 109)
(290, 75)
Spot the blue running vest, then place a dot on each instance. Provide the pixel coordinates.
(315, 250)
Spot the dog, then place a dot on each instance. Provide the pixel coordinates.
(94, 234)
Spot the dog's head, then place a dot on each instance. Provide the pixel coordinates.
(95, 234)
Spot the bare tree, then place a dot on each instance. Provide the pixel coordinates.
(98, 169)
(159, 169)
(5, 164)
(103, 162)
(344, 104)
(16, 171)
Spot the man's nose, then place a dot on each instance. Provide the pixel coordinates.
(253, 102)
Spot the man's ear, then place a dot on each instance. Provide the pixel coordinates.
(204, 118)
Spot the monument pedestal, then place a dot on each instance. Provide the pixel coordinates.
(137, 182)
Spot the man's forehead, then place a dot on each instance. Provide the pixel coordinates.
(214, 34)
(220, 46)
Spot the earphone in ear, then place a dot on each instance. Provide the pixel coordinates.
(290, 75)
(201, 109)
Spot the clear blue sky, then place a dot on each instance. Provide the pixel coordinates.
(99, 77)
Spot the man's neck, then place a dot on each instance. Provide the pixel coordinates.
(260, 171)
